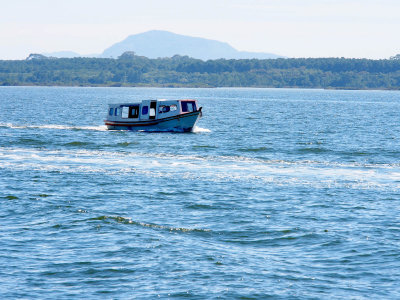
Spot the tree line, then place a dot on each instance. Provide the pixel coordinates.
(183, 71)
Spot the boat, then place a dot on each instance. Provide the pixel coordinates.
(154, 115)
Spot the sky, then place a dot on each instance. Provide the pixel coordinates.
(292, 28)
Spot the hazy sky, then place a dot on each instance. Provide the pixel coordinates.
(293, 28)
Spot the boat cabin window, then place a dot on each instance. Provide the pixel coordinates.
(134, 112)
(145, 110)
(131, 112)
(153, 106)
(111, 112)
(117, 111)
(163, 109)
(188, 106)
(167, 108)
(125, 112)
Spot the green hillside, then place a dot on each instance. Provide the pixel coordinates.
(182, 71)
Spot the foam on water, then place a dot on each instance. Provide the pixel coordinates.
(54, 126)
(197, 129)
(322, 174)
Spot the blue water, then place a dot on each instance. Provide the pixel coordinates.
(279, 193)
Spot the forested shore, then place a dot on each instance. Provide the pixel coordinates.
(183, 71)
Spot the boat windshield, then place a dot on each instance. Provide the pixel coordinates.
(188, 106)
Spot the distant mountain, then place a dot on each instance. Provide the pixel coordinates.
(65, 54)
(158, 43)
(68, 54)
(36, 56)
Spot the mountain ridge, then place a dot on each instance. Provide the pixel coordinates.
(161, 43)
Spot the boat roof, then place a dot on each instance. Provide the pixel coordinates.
(158, 100)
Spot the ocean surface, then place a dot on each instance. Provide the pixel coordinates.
(278, 194)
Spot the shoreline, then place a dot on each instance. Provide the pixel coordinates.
(202, 87)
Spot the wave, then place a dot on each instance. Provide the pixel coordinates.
(54, 126)
(206, 168)
(78, 144)
(197, 129)
(256, 149)
(124, 220)
(191, 159)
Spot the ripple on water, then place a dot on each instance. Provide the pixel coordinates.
(123, 220)
(79, 144)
